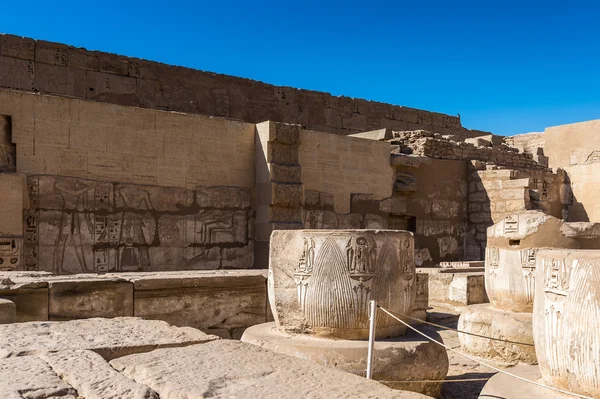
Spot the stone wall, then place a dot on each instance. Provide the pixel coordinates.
(495, 194)
(87, 139)
(432, 194)
(219, 302)
(338, 173)
(435, 145)
(64, 70)
(115, 188)
(527, 142)
(576, 149)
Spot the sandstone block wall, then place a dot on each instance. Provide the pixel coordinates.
(576, 149)
(220, 302)
(495, 194)
(430, 198)
(115, 188)
(64, 70)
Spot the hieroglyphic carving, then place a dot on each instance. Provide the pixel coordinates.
(10, 253)
(511, 224)
(338, 272)
(566, 319)
(304, 270)
(80, 225)
(528, 268)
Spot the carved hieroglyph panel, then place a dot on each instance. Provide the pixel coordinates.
(566, 317)
(321, 281)
(510, 278)
(78, 225)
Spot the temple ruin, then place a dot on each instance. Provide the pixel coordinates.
(148, 197)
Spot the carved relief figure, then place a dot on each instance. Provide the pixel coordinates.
(528, 268)
(304, 270)
(330, 294)
(492, 259)
(74, 222)
(134, 253)
(511, 224)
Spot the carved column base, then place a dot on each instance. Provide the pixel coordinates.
(407, 358)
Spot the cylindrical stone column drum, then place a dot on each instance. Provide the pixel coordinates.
(510, 278)
(566, 319)
(321, 281)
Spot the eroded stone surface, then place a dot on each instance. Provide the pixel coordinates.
(396, 361)
(7, 311)
(321, 281)
(93, 377)
(235, 369)
(566, 317)
(488, 321)
(28, 377)
(109, 337)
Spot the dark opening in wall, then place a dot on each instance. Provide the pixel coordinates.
(8, 150)
(514, 243)
(404, 222)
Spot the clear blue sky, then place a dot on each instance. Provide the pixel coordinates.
(506, 66)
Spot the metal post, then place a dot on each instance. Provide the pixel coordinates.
(372, 319)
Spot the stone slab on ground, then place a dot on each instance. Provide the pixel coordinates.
(396, 362)
(29, 295)
(226, 368)
(507, 387)
(93, 377)
(455, 288)
(108, 337)
(8, 311)
(28, 377)
(236, 299)
(486, 320)
(94, 296)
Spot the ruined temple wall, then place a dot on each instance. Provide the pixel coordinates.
(527, 142)
(59, 69)
(346, 176)
(439, 206)
(576, 149)
(115, 188)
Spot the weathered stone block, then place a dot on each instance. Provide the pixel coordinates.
(285, 173)
(84, 297)
(51, 53)
(286, 195)
(17, 47)
(237, 299)
(259, 373)
(312, 268)
(110, 338)
(287, 134)
(30, 299)
(566, 315)
(284, 214)
(8, 311)
(286, 154)
(18, 74)
(93, 377)
(33, 377)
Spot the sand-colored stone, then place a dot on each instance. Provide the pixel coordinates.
(488, 321)
(397, 361)
(86, 297)
(108, 337)
(8, 311)
(29, 295)
(566, 317)
(27, 377)
(507, 387)
(93, 377)
(236, 369)
(321, 281)
(221, 303)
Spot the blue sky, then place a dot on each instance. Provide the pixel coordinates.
(506, 66)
